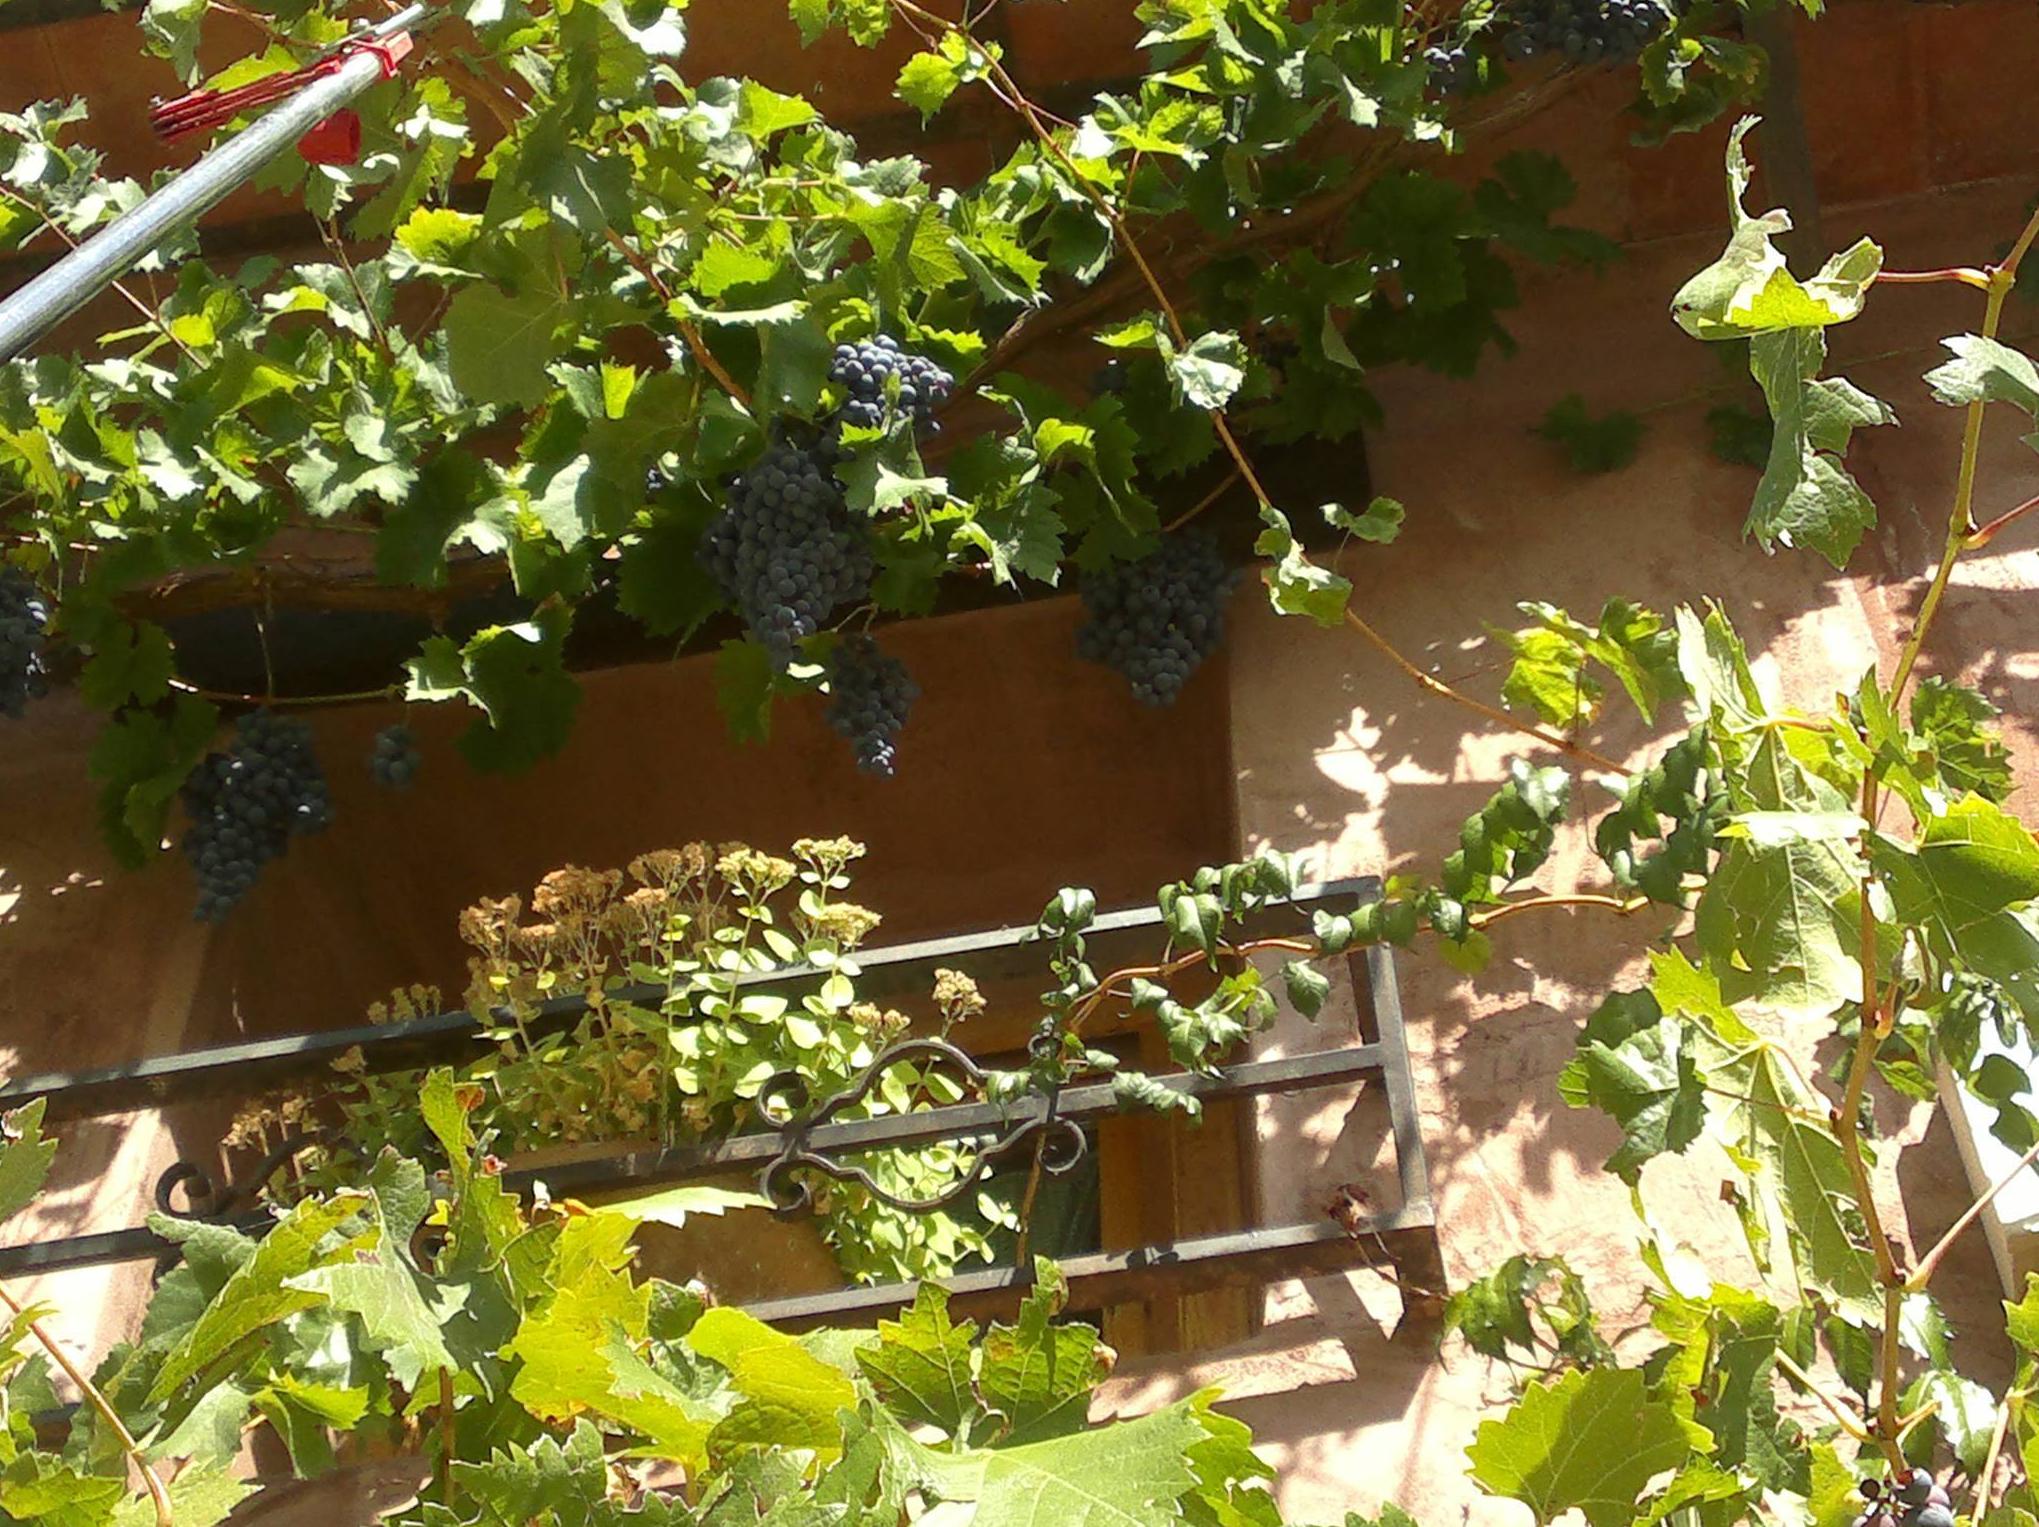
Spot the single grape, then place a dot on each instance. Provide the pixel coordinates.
(871, 694)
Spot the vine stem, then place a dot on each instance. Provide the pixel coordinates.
(1960, 523)
(1443, 690)
(158, 1495)
(696, 346)
(231, 697)
(1922, 1274)
(1966, 275)
(1988, 533)
(1620, 906)
(1848, 1423)
(2013, 1402)
(447, 1437)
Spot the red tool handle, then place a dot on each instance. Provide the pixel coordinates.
(200, 109)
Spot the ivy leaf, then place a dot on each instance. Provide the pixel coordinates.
(1589, 1442)
(1296, 585)
(920, 1364)
(1039, 1374)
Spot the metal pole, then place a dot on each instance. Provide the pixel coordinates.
(75, 280)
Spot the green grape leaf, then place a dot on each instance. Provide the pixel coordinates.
(1987, 371)
(1592, 445)
(1748, 291)
(1380, 522)
(499, 347)
(199, 1497)
(1589, 1442)
(790, 1397)
(141, 759)
(1800, 1194)
(1039, 1374)
(920, 1365)
(1129, 1474)
(517, 676)
(1650, 1084)
(258, 1294)
(1779, 919)
(1295, 584)
(1631, 643)
(131, 662)
(25, 1157)
(1307, 987)
(1208, 371)
(401, 1312)
(1971, 863)
(1952, 721)
(1807, 498)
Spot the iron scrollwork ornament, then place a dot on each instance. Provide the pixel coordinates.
(1060, 1141)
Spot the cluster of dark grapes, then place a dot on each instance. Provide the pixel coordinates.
(395, 758)
(872, 693)
(24, 619)
(1915, 1500)
(865, 367)
(1156, 619)
(247, 803)
(784, 549)
(1582, 31)
(1453, 70)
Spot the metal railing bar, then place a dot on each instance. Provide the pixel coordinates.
(250, 1068)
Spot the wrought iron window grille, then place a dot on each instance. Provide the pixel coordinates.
(814, 1137)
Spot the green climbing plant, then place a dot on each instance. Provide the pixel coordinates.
(570, 293)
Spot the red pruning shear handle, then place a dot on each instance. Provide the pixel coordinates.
(201, 109)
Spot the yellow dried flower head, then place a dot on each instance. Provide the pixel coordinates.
(845, 922)
(672, 867)
(749, 870)
(957, 996)
(574, 891)
(540, 939)
(830, 853)
(353, 1063)
(487, 922)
